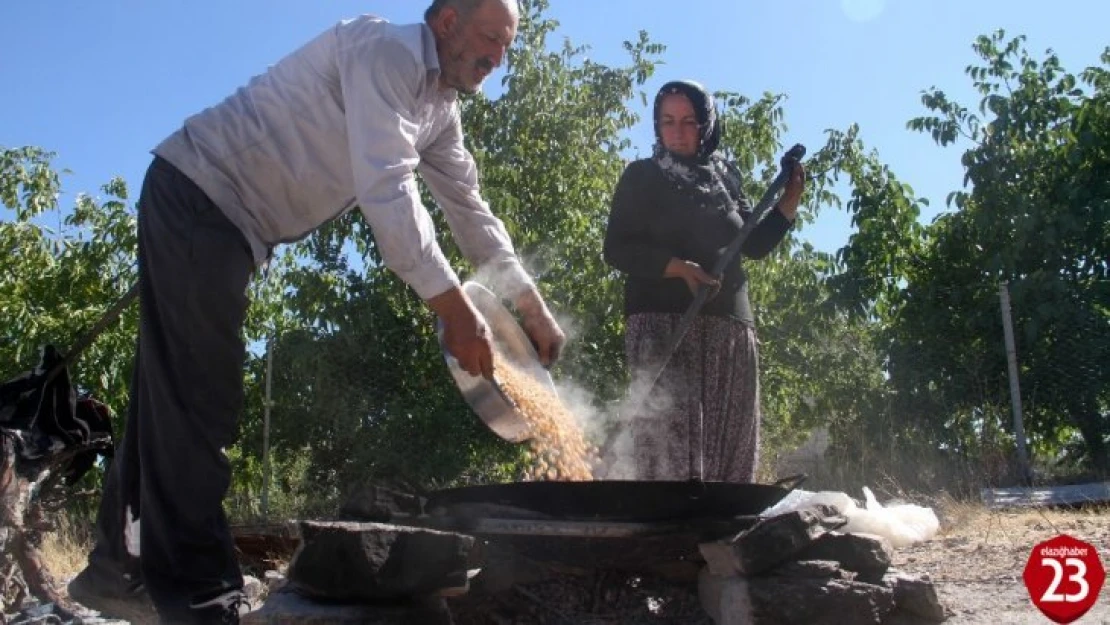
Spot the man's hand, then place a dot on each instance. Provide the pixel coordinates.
(692, 274)
(546, 335)
(465, 333)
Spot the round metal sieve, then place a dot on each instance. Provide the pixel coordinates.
(511, 343)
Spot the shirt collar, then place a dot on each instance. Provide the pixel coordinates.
(431, 60)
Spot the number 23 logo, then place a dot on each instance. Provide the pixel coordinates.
(1058, 570)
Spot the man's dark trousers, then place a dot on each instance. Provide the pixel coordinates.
(186, 395)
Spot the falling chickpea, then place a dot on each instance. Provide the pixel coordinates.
(559, 447)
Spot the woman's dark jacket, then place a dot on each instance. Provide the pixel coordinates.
(652, 220)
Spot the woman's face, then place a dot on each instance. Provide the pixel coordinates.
(678, 125)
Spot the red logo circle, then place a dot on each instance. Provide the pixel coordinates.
(1064, 576)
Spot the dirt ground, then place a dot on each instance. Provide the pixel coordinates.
(977, 559)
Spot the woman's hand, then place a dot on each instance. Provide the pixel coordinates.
(792, 194)
(691, 273)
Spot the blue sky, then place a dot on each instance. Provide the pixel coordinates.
(100, 83)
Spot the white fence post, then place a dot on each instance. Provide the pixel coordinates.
(1015, 389)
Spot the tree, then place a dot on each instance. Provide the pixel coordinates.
(820, 366)
(1036, 218)
(64, 268)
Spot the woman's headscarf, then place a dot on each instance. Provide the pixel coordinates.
(699, 176)
(705, 110)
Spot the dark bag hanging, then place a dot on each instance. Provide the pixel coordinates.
(41, 410)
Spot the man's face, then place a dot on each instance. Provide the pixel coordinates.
(471, 47)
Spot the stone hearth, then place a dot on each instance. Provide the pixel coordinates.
(394, 564)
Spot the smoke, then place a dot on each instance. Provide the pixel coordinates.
(644, 408)
(611, 425)
(495, 278)
(608, 425)
(599, 422)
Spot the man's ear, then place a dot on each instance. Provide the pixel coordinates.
(446, 21)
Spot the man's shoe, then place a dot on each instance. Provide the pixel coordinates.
(225, 608)
(113, 596)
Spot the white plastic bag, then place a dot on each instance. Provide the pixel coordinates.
(798, 499)
(901, 524)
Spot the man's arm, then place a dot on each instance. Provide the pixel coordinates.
(449, 169)
(380, 95)
(452, 176)
(380, 88)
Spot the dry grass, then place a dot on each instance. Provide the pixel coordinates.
(973, 519)
(65, 550)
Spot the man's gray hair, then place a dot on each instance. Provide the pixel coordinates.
(464, 7)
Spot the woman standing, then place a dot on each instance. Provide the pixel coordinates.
(673, 216)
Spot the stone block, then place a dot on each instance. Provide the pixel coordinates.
(770, 542)
(368, 562)
(867, 555)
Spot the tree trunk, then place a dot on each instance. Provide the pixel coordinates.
(28, 490)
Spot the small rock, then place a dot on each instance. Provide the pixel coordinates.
(739, 600)
(789, 601)
(916, 596)
(380, 505)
